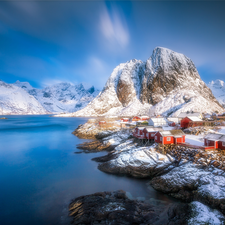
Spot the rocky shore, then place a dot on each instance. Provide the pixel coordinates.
(190, 175)
(104, 208)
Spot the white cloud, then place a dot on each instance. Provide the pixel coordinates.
(114, 28)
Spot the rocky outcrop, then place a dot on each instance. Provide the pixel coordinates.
(167, 83)
(193, 182)
(116, 208)
(135, 161)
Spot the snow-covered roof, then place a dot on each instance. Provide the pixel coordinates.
(215, 137)
(151, 129)
(158, 119)
(175, 133)
(194, 118)
(189, 114)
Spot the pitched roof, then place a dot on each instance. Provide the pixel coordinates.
(152, 129)
(187, 114)
(175, 133)
(215, 137)
(194, 118)
(158, 119)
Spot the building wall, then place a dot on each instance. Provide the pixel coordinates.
(209, 142)
(171, 141)
(184, 122)
(157, 140)
(181, 139)
(220, 146)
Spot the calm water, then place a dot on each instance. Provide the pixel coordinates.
(40, 174)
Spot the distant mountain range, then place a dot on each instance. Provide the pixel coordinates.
(167, 83)
(218, 89)
(22, 98)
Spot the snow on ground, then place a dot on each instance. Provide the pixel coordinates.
(194, 139)
(222, 130)
(131, 155)
(202, 214)
(205, 183)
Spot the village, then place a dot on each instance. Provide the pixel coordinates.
(190, 129)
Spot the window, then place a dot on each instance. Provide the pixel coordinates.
(168, 139)
(155, 137)
(160, 138)
(223, 143)
(152, 135)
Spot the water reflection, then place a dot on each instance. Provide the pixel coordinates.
(40, 173)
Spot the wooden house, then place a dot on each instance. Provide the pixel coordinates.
(215, 140)
(143, 118)
(189, 114)
(158, 121)
(102, 122)
(136, 118)
(191, 121)
(124, 120)
(170, 137)
(149, 132)
(138, 131)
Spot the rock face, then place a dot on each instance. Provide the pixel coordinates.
(191, 182)
(15, 100)
(167, 83)
(135, 161)
(218, 89)
(116, 208)
(61, 97)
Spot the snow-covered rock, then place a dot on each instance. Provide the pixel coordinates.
(15, 100)
(218, 89)
(202, 214)
(167, 83)
(140, 162)
(190, 181)
(61, 97)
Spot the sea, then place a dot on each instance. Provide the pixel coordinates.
(40, 173)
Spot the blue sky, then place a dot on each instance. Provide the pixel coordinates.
(45, 42)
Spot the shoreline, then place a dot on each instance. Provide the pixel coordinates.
(162, 168)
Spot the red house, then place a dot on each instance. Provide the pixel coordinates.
(138, 131)
(102, 122)
(170, 137)
(216, 140)
(136, 118)
(194, 121)
(149, 133)
(124, 120)
(143, 118)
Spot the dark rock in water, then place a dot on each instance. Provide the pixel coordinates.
(94, 146)
(116, 208)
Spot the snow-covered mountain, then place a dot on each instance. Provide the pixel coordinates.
(61, 97)
(218, 89)
(167, 83)
(15, 100)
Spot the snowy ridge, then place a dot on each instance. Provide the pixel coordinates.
(61, 97)
(218, 89)
(167, 83)
(15, 100)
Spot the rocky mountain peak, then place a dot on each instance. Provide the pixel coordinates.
(167, 83)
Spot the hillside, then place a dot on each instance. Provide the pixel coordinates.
(167, 83)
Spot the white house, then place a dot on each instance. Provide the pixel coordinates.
(158, 121)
